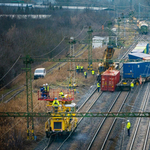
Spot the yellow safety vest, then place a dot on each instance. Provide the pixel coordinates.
(81, 67)
(85, 73)
(77, 67)
(47, 88)
(132, 85)
(93, 72)
(98, 85)
(55, 103)
(61, 94)
(44, 88)
(128, 125)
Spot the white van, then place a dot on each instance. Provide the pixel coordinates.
(39, 73)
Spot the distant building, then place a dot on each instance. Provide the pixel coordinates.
(98, 41)
(104, 37)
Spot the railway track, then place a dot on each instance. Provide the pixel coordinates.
(117, 103)
(83, 107)
(77, 54)
(105, 126)
(139, 138)
(18, 90)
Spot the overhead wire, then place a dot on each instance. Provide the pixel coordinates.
(52, 49)
(11, 67)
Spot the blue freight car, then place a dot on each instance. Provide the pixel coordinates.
(134, 70)
(137, 56)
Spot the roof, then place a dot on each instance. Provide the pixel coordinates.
(110, 72)
(105, 32)
(39, 68)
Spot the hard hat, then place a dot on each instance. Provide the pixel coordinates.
(43, 84)
(55, 97)
(127, 120)
(46, 84)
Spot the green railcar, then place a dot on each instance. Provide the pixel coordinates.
(144, 29)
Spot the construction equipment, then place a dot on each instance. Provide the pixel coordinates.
(59, 124)
(107, 62)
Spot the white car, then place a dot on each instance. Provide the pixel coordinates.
(39, 73)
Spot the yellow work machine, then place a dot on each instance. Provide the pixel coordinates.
(60, 124)
(107, 62)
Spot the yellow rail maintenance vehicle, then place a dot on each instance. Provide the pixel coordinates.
(107, 62)
(62, 125)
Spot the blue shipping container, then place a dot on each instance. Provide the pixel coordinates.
(135, 69)
(137, 55)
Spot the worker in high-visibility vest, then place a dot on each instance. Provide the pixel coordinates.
(81, 68)
(128, 127)
(132, 85)
(77, 68)
(55, 104)
(47, 90)
(44, 91)
(61, 94)
(85, 74)
(93, 72)
(98, 86)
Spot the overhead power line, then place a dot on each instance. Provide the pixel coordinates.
(52, 49)
(11, 67)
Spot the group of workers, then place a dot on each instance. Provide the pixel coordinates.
(80, 69)
(45, 90)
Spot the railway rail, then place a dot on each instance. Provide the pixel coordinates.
(21, 88)
(119, 100)
(78, 53)
(140, 136)
(105, 127)
(88, 103)
(114, 120)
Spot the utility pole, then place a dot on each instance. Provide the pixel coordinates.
(30, 127)
(90, 48)
(139, 11)
(72, 63)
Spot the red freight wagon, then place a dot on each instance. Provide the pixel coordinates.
(109, 79)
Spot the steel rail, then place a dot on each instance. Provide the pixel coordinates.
(144, 103)
(103, 121)
(105, 141)
(51, 69)
(10, 92)
(82, 117)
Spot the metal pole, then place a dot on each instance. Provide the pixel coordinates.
(90, 48)
(139, 11)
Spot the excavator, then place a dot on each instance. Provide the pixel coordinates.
(107, 62)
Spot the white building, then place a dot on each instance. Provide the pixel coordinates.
(104, 37)
(98, 41)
